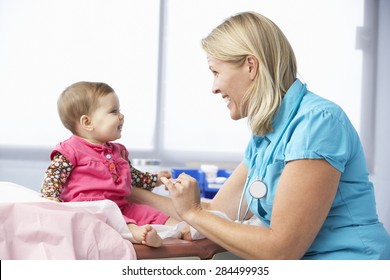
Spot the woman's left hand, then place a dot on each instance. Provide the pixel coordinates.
(184, 192)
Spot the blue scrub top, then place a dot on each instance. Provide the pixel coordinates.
(321, 130)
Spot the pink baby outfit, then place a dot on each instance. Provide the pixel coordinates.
(100, 172)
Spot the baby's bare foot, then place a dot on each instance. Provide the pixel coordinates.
(151, 238)
(145, 235)
(138, 233)
(186, 233)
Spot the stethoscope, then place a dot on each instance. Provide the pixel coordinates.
(258, 189)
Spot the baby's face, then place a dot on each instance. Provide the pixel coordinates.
(107, 120)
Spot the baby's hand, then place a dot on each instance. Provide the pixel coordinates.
(163, 173)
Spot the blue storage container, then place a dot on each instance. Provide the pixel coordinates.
(211, 189)
(206, 190)
(198, 174)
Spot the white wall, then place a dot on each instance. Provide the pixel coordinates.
(381, 172)
(28, 173)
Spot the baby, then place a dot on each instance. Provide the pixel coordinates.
(89, 166)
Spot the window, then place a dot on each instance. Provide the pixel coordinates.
(322, 33)
(158, 69)
(48, 45)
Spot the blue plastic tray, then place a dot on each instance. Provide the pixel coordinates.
(211, 189)
(206, 190)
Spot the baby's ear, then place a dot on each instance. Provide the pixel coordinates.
(86, 122)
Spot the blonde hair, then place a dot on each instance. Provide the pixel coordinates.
(251, 34)
(80, 99)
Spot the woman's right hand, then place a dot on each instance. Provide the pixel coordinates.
(185, 195)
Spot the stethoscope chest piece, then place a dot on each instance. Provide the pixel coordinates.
(258, 189)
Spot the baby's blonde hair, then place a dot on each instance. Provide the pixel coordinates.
(80, 99)
(251, 34)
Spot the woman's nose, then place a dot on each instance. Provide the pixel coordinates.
(215, 89)
(121, 116)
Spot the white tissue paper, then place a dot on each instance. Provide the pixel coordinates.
(175, 231)
(165, 231)
(105, 210)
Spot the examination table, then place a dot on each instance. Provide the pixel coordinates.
(203, 249)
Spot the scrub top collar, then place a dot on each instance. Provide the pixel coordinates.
(288, 103)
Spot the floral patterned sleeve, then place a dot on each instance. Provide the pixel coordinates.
(144, 180)
(55, 176)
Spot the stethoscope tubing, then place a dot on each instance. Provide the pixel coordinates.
(292, 115)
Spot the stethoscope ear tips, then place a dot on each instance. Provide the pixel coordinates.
(258, 189)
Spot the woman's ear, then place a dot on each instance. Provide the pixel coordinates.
(86, 122)
(253, 65)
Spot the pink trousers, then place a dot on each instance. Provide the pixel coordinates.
(142, 214)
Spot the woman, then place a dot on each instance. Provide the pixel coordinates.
(304, 165)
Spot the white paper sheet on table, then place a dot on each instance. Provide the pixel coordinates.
(103, 211)
(32, 227)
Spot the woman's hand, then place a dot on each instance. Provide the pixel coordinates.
(185, 195)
